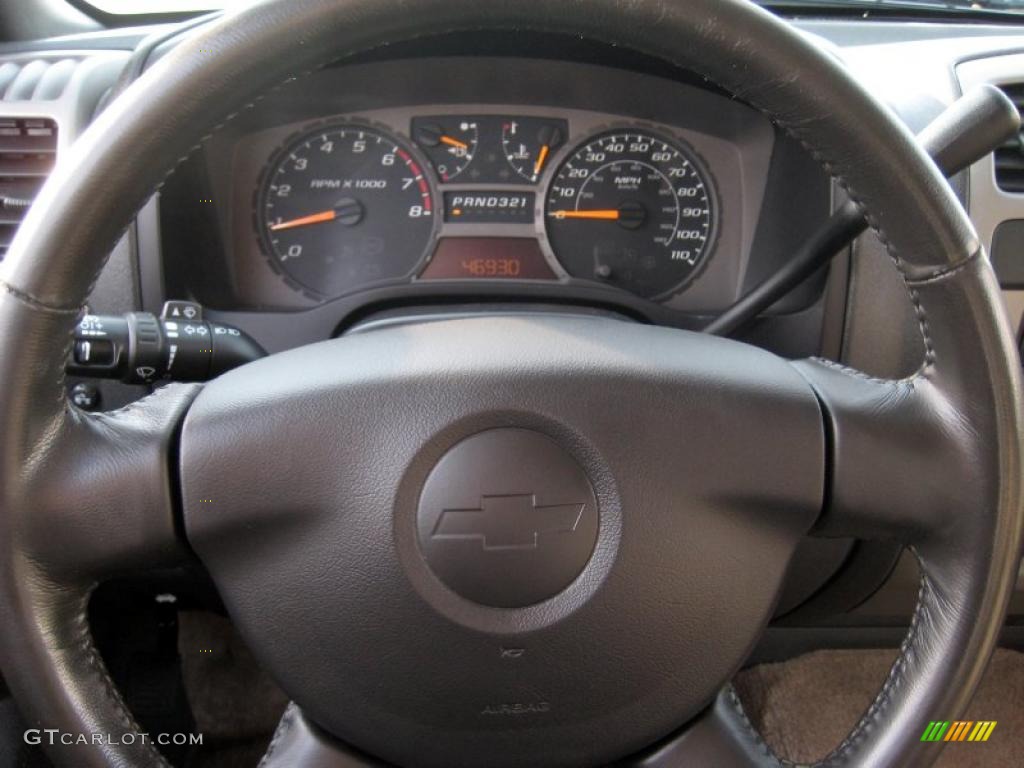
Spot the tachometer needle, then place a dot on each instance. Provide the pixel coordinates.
(454, 142)
(603, 215)
(542, 158)
(348, 212)
(302, 221)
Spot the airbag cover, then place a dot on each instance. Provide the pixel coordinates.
(311, 490)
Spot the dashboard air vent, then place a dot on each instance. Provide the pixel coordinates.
(1010, 156)
(28, 150)
(35, 79)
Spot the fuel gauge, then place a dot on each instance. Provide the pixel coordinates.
(449, 142)
(529, 143)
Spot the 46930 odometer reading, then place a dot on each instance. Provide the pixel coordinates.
(632, 209)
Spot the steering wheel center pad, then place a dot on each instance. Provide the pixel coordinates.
(302, 497)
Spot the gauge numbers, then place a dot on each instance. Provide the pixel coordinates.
(631, 209)
(344, 207)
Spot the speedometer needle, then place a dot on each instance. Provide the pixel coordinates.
(629, 214)
(348, 212)
(603, 215)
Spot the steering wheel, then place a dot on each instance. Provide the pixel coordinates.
(506, 541)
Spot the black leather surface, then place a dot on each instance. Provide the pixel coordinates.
(968, 553)
(720, 737)
(83, 496)
(706, 457)
(930, 461)
(300, 742)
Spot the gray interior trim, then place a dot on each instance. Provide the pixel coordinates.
(75, 107)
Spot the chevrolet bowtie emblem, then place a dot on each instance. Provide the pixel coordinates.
(508, 522)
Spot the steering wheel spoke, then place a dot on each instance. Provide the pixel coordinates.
(720, 736)
(109, 504)
(297, 741)
(895, 471)
(98, 494)
(907, 456)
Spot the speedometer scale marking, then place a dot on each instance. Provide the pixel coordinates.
(633, 210)
(345, 207)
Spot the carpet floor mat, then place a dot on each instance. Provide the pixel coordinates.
(806, 706)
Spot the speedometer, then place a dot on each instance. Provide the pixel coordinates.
(343, 207)
(634, 210)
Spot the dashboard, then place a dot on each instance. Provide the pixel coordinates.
(601, 185)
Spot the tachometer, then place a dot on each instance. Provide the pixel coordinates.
(632, 209)
(345, 206)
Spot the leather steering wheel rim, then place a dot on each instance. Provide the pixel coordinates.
(85, 496)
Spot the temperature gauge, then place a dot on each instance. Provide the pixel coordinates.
(450, 143)
(529, 142)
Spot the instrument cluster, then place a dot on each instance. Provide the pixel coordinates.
(531, 195)
(380, 189)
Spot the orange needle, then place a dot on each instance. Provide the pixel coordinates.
(454, 142)
(315, 218)
(610, 215)
(541, 159)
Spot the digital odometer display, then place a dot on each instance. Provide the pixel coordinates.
(343, 207)
(631, 209)
(488, 258)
